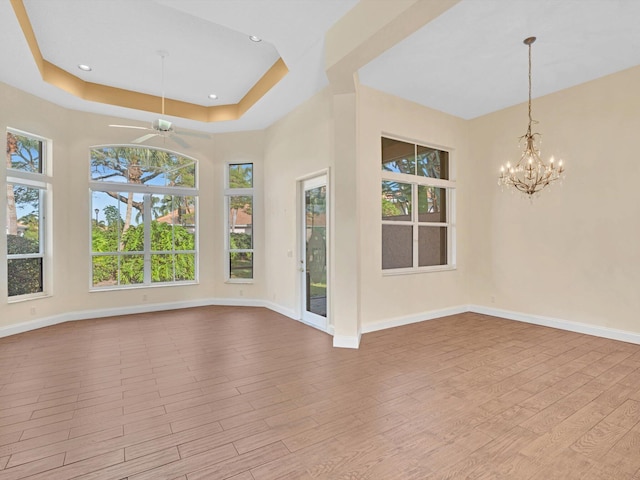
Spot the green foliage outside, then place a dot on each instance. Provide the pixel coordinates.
(165, 267)
(25, 274)
(170, 238)
(240, 263)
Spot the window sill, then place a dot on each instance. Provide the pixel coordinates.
(413, 271)
(246, 281)
(121, 288)
(28, 298)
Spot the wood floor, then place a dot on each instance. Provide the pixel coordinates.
(245, 394)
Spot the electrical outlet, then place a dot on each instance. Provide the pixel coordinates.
(241, 293)
(32, 310)
(144, 297)
(493, 299)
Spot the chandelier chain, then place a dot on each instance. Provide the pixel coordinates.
(530, 119)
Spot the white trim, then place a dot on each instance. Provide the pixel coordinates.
(340, 341)
(303, 185)
(110, 312)
(409, 319)
(346, 341)
(578, 327)
(287, 312)
(419, 179)
(318, 173)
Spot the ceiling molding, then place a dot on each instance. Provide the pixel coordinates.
(95, 92)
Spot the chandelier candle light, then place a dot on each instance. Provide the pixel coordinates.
(531, 174)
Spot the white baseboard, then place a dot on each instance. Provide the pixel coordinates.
(346, 341)
(129, 310)
(578, 327)
(408, 319)
(342, 341)
(287, 312)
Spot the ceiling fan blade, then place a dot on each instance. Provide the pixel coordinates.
(193, 134)
(144, 138)
(130, 126)
(179, 141)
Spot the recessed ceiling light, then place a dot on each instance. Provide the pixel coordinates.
(213, 96)
(85, 68)
(253, 38)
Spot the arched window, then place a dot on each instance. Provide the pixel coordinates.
(143, 217)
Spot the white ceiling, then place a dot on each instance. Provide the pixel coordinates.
(471, 60)
(468, 62)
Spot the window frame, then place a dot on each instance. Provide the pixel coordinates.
(416, 181)
(43, 181)
(147, 191)
(238, 192)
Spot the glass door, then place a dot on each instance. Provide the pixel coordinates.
(314, 253)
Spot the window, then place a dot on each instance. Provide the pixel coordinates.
(143, 217)
(417, 197)
(239, 218)
(27, 188)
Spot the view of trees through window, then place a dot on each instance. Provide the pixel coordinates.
(143, 217)
(239, 194)
(26, 186)
(416, 228)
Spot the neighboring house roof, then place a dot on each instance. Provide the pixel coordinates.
(243, 217)
(172, 218)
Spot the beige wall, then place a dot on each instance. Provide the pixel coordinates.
(296, 146)
(386, 298)
(73, 133)
(572, 254)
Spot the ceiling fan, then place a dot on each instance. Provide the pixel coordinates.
(161, 127)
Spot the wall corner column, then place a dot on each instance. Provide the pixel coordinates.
(346, 269)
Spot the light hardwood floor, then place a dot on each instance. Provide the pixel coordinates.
(246, 394)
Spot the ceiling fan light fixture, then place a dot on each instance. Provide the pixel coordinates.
(84, 68)
(162, 125)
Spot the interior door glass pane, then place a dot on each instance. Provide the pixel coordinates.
(399, 157)
(240, 222)
(432, 246)
(316, 250)
(432, 204)
(432, 163)
(397, 246)
(396, 201)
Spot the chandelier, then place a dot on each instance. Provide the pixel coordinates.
(531, 174)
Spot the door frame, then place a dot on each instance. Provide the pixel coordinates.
(325, 324)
